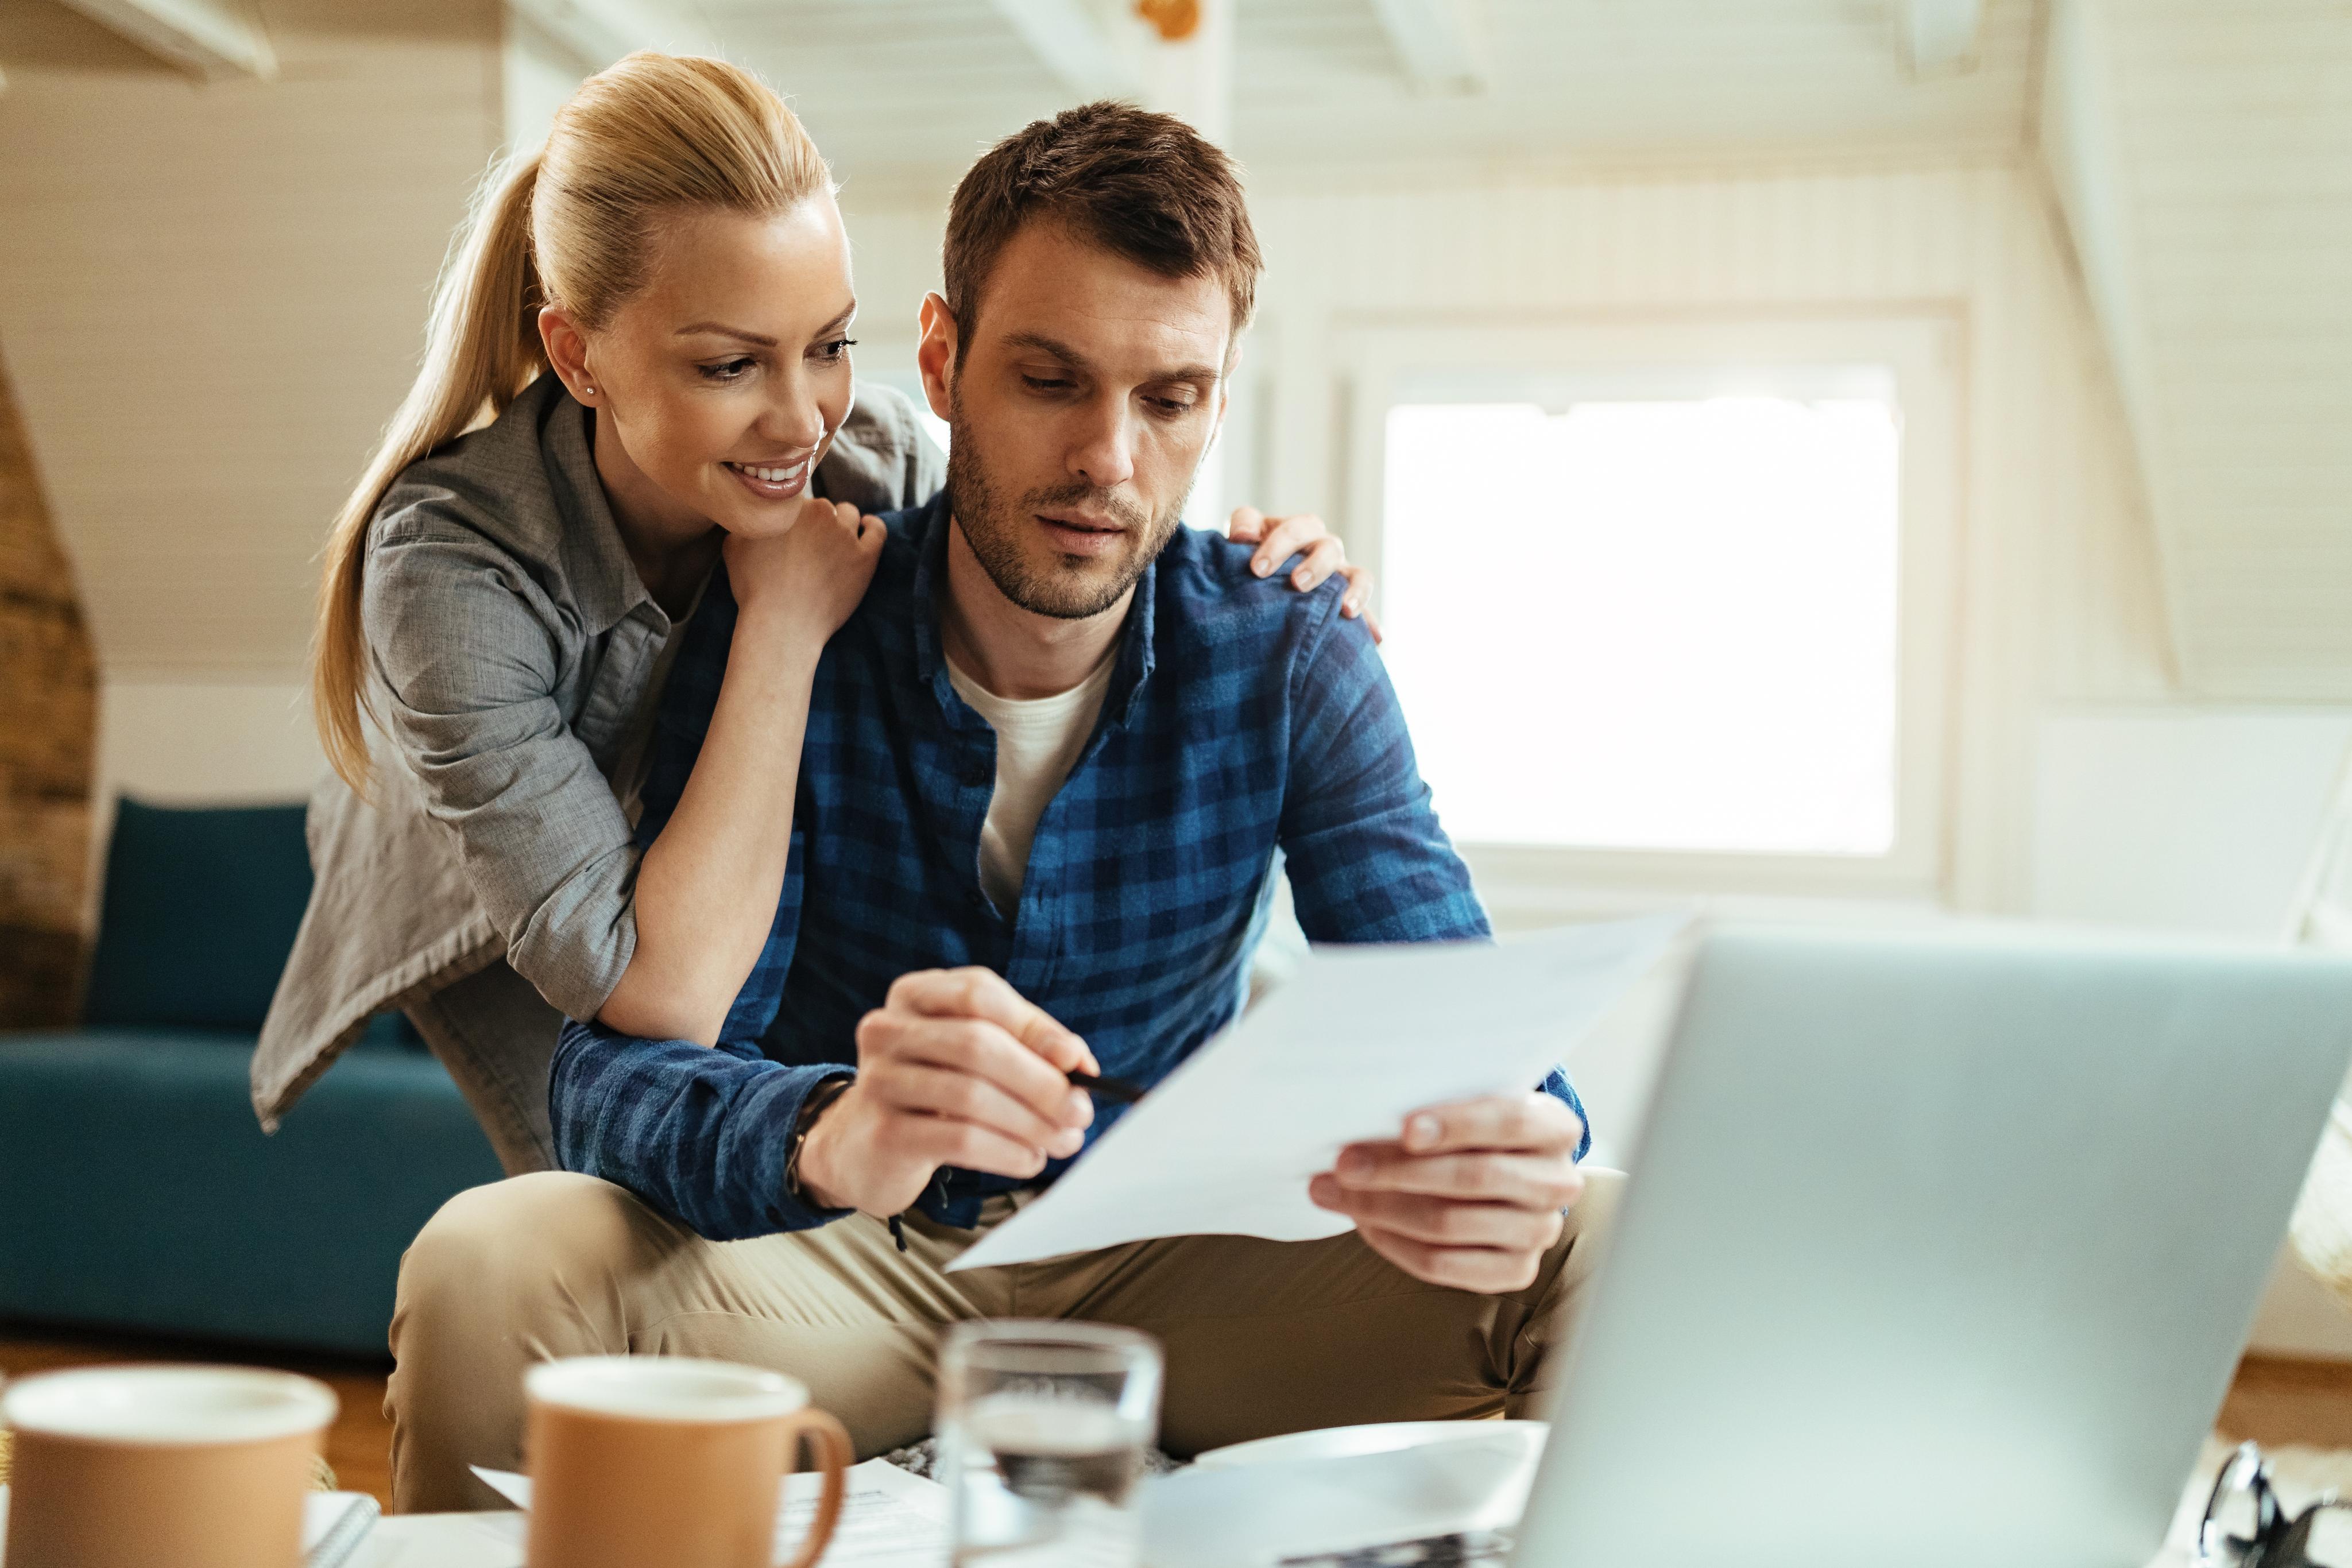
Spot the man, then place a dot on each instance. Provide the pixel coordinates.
(1050, 764)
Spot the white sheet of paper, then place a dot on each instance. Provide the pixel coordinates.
(889, 1518)
(1352, 1044)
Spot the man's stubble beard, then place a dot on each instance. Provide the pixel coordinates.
(994, 529)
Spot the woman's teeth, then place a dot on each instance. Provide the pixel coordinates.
(771, 476)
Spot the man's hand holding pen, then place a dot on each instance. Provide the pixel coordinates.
(955, 1068)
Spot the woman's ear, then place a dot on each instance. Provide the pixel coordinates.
(567, 352)
(934, 356)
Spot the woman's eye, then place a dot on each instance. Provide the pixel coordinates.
(728, 370)
(836, 350)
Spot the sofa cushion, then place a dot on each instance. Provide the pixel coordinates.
(201, 906)
(137, 1192)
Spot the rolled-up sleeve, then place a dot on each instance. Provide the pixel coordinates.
(465, 647)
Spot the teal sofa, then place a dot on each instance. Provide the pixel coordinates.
(137, 1193)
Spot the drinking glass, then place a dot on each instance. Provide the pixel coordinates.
(1043, 1431)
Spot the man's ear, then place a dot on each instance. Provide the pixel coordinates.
(567, 352)
(934, 356)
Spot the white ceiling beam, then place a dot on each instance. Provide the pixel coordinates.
(1434, 42)
(1939, 37)
(209, 37)
(601, 31)
(1070, 38)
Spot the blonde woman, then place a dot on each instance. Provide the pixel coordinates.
(654, 313)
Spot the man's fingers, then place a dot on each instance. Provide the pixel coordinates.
(1246, 527)
(1442, 1222)
(939, 1141)
(1479, 1269)
(1532, 1122)
(960, 1096)
(975, 992)
(1544, 1181)
(978, 1049)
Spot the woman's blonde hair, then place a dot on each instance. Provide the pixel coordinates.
(571, 226)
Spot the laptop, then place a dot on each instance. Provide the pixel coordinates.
(1940, 1249)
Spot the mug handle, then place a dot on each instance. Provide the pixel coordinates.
(830, 1439)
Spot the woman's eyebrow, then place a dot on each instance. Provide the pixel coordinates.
(724, 330)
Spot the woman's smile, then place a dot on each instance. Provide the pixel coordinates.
(774, 482)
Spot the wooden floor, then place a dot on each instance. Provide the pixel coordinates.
(2275, 1401)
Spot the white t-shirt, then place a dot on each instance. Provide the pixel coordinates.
(1037, 742)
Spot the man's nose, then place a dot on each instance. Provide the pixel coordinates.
(1104, 454)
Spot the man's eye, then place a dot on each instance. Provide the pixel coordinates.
(728, 370)
(1173, 407)
(1044, 383)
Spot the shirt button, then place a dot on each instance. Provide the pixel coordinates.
(976, 771)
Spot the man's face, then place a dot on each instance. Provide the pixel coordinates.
(1088, 390)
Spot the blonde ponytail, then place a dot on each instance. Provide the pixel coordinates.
(569, 225)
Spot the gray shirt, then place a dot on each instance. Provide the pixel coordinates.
(512, 645)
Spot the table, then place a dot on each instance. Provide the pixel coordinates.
(495, 1540)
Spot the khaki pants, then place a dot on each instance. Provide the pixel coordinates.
(1261, 1337)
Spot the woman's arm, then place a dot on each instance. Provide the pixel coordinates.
(709, 885)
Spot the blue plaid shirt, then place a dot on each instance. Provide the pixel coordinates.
(1244, 721)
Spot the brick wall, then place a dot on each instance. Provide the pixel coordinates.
(48, 720)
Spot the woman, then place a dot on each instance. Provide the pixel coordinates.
(656, 311)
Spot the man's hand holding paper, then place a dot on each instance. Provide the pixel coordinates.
(1344, 1059)
(1469, 1195)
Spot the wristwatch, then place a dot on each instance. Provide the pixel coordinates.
(811, 1107)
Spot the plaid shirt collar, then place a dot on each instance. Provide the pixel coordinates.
(1127, 682)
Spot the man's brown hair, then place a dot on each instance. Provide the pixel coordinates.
(1142, 186)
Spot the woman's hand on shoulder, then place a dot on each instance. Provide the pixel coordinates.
(810, 576)
(1323, 552)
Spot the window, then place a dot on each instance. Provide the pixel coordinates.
(1667, 607)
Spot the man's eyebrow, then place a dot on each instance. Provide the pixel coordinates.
(1076, 360)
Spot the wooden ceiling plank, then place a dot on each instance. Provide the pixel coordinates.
(1940, 37)
(209, 39)
(601, 31)
(1070, 39)
(1434, 42)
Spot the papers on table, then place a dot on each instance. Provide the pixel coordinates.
(1358, 1039)
(889, 1518)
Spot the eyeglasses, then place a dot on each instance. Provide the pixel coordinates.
(2245, 1526)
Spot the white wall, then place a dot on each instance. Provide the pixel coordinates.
(212, 297)
(2187, 819)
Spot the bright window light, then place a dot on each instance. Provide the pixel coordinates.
(1663, 625)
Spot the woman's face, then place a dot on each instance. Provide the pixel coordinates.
(718, 385)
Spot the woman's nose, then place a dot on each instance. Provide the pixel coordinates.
(794, 422)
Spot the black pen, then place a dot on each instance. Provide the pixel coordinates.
(1118, 1089)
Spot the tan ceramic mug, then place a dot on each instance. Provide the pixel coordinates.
(660, 1459)
(128, 1467)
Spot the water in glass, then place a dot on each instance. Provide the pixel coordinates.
(1043, 1431)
